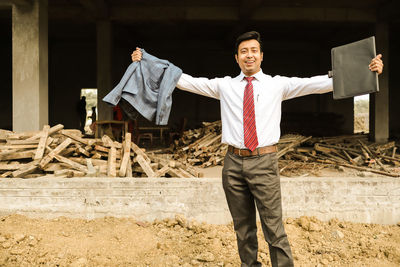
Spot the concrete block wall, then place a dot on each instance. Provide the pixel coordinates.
(369, 200)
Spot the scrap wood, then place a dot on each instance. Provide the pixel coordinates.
(126, 155)
(52, 130)
(78, 156)
(82, 150)
(71, 163)
(11, 155)
(42, 143)
(77, 138)
(145, 166)
(26, 169)
(68, 173)
(292, 145)
(54, 152)
(370, 170)
(111, 164)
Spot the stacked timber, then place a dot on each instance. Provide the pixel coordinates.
(350, 151)
(201, 146)
(55, 151)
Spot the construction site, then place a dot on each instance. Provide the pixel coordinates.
(83, 183)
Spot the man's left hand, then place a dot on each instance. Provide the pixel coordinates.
(376, 64)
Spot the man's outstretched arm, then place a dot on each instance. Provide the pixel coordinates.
(201, 86)
(321, 84)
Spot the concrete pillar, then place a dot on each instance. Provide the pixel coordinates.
(30, 66)
(379, 102)
(104, 65)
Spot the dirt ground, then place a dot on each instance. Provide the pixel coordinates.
(176, 242)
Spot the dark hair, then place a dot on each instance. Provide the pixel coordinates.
(253, 35)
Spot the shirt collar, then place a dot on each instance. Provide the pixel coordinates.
(257, 76)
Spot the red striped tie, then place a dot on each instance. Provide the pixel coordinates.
(249, 117)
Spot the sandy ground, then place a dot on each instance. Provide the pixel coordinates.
(177, 242)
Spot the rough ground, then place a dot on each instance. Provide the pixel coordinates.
(176, 242)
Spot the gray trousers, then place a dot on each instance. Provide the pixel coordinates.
(256, 179)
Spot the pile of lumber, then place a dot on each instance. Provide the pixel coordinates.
(201, 146)
(64, 153)
(350, 151)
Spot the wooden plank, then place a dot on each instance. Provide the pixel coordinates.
(52, 130)
(23, 142)
(69, 173)
(101, 148)
(71, 163)
(26, 169)
(175, 173)
(6, 174)
(17, 155)
(145, 166)
(96, 155)
(107, 142)
(21, 136)
(140, 152)
(52, 167)
(42, 143)
(111, 166)
(54, 152)
(17, 147)
(370, 170)
(74, 137)
(161, 172)
(185, 173)
(218, 137)
(4, 134)
(126, 155)
(10, 167)
(129, 168)
(292, 145)
(95, 162)
(81, 150)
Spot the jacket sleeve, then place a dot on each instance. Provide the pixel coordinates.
(201, 86)
(296, 87)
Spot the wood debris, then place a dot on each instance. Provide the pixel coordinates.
(350, 151)
(203, 147)
(55, 151)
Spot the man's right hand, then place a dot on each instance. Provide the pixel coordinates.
(136, 55)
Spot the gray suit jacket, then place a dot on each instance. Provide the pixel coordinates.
(147, 86)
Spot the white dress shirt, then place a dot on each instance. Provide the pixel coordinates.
(269, 92)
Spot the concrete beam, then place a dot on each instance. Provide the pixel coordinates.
(225, 13)
(30, 66)
(379, 102)
(17, 2)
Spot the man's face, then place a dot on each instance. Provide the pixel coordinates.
(249, 57)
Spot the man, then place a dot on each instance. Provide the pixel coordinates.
(250, 115)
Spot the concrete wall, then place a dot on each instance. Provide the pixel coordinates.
(368, 200)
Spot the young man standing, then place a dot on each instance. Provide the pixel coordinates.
(250, 115)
